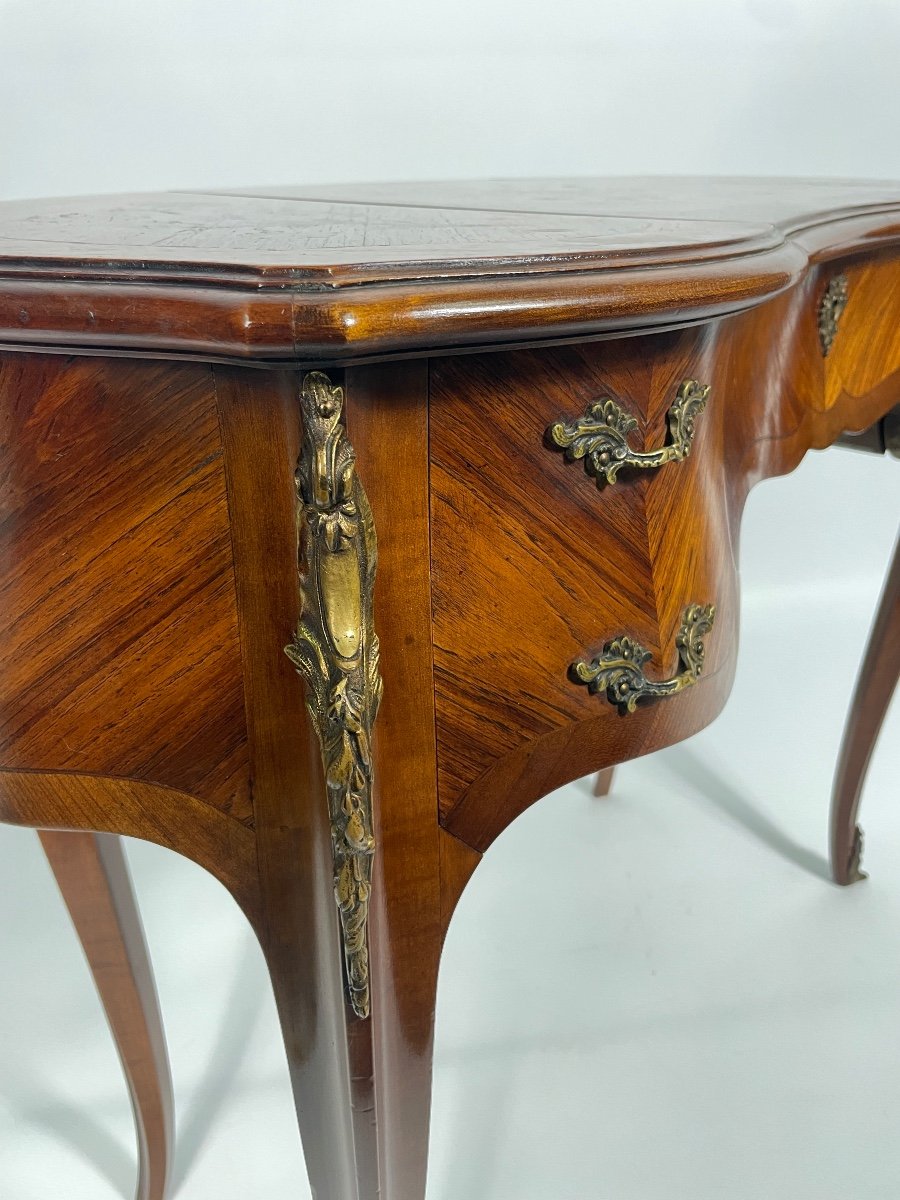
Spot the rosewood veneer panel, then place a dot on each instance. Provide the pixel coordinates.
(534, 566)
(119, 637)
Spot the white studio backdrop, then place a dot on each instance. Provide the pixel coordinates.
(113, 95)
(686, 976)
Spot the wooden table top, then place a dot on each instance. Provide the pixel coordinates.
(327, 273)
(555, 526)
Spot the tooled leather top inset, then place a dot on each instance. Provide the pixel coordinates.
(328, 274)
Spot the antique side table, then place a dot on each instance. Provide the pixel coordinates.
(505, 429)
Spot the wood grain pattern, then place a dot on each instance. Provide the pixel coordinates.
(177, 820)
(388, 426)
(368, 271)
(878, 676)
(524, 541)
(788, 398)
(420, 870)
(119, 636)
(148, 534)
(535, 566)
(871, 320)
(96, 886)
(777, 202)
(297, 925)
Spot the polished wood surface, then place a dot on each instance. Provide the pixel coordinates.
(138, 621)
(875, 687)
(149, 534)
(95, 884)
(583, 564)
(332, 274)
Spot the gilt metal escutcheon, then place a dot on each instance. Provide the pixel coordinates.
(336, 651)
(831, 306)
(619, 669)
(600, 437)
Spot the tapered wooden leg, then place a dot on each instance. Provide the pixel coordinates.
(362, 1084)
(603, 781)
(419, 870)
(874, 689)
(93, 877)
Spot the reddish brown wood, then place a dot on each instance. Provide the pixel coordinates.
(94, 880)
(61, 800)
(148, 536)
(118, 589)
(875, 686)
(297, 926)
(341, 1067)
(338, 273)
(388, 423)
(420, 871)
(603, 781)
(513, 518)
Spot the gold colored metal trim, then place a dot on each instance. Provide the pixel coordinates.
(600, 437)
(831, 306)
(855, 873)
(619, 670)
(336, 651)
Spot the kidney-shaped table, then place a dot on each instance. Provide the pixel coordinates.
(339, 525)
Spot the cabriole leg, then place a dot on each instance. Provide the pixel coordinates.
(877, 680)
(345, 790)
(93, 877)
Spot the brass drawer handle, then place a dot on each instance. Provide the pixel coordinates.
(600, 437)
(619, 669)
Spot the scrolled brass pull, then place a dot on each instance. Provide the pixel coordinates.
(619, 669)
(600, 437)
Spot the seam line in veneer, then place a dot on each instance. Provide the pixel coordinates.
(472, 788)
(237, 601)
(131, 779)
(826, 218)
(479, 208)
(430, 512)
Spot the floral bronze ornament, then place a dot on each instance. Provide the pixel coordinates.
(600, 437)
(336, 651)
(831, 306)
(619, 669)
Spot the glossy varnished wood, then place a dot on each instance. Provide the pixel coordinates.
(513, 518)
(297, 920)
(95, 884)
(149, 534)
(61, 800)
(878, 675)
(118, 593)
(342, 272)
(387, 422)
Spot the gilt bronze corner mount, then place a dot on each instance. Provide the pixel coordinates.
(831, 306)
(335, 649)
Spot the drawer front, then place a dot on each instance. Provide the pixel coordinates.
(574, 503)
(858, 319)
